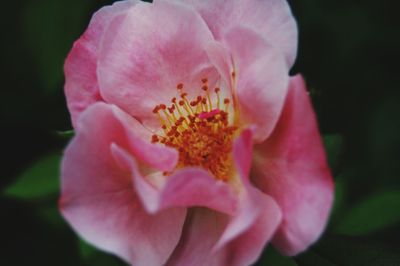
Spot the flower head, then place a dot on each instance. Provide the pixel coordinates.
(193, 145)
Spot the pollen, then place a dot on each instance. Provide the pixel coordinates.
(199, 129)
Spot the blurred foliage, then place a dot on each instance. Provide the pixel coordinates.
(39, 180)
(377, 211)
(49, 28)
(349, 56)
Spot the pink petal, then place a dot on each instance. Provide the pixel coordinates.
(291, 167)
(97, 195)
(145, 53)
(81, 86)
(270, 18)
(261, 77)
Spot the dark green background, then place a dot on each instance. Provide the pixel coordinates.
(348, 53)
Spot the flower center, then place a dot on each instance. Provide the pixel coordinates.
(199, 129)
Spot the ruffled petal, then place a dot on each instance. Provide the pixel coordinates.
(210, 237)
(145, 53)
(270, 18)
(247, 247)
(258, 216)
(188, 187)
(201, 231)
(195, 187)
(260, 77)
(81, 86)
(291, 167)
(97, 195)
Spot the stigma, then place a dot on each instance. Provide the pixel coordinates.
(199, 129)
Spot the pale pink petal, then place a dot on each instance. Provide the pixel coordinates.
(291, 167)
(270, 18)
(81, 86)
(145, 53)
(98, 199)
(260, 81)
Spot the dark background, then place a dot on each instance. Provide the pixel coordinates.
(348, 53)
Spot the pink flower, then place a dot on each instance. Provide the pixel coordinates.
(193, 145)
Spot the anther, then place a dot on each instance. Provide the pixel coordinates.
(155, 110)
(154, 139)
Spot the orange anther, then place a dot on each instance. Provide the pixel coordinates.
(179, 86)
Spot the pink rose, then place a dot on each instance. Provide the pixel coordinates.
(193, 145)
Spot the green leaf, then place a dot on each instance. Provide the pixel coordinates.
(333, 145)
(51, 215)
(39, 180)
(312, 258)
(272, 257)
(376, 212)
(95, 257)
(349, 251)
(68, 134)
(86, 250)
(340, 201)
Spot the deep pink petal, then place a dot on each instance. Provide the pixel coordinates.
(97, 195)
(260, 81)
(291, 167)
(270, 18)
(145, 53)
(81, 86)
